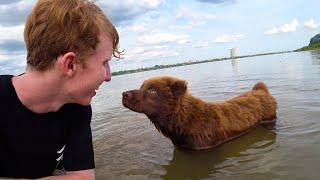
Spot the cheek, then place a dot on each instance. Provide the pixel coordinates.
(86, 84)
(98, 75)
(153, 104)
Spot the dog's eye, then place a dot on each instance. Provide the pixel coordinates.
(152, 91)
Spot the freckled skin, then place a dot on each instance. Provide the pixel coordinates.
(191, 123)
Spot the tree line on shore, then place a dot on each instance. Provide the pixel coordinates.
(190, 63)
(314, 44)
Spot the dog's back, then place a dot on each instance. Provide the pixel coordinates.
(208, 124)
(246, 111)
(260, 86)
(268, 101)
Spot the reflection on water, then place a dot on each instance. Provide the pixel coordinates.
(315, 56)
(231, 159)
(127, 146)
(235, 65)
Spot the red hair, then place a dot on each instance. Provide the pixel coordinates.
(55, 27)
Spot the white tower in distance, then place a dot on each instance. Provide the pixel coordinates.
(233, 52)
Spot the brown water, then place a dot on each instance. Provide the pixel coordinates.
(127, 146)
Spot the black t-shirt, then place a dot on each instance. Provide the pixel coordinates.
(34, 145)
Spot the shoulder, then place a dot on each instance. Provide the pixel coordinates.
(76, 107)
(76, 111)
(4, 81)
(5, 86)
(5, 76)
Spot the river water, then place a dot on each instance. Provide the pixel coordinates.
(127, 145)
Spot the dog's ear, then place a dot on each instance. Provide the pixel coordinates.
(178, 87)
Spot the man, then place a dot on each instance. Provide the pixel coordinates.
(45, 113)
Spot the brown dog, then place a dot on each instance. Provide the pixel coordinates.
(194, 124)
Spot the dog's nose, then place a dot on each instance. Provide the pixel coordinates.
(126, 95)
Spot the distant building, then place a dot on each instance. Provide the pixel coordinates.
(233, 52)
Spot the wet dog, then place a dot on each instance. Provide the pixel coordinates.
(192, 123)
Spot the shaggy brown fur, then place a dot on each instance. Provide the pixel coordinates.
(194, 124)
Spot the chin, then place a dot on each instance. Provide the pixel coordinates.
(85, 102)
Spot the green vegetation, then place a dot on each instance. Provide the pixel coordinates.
(314, 44)
(310, 47)
(190, 63)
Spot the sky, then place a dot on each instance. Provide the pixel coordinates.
(155, 32)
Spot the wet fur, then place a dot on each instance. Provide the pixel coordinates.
(192, 123)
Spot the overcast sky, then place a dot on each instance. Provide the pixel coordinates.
(170, 31)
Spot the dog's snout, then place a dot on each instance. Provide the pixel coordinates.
(126, 95)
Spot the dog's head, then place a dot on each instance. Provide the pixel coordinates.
(156, 96)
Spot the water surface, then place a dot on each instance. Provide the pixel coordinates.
(127, 145)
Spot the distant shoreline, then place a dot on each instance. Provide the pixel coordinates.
(192, 62)
(310, 47)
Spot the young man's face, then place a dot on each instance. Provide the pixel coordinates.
(94, 73)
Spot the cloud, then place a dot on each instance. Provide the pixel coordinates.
(204, 44)
(229, 38)
(125, 10)
(217, 1)
(14, 13)
(188, 13)
(141, 53)
(274, 30)
(289, 27)
(310, 24)
(13, 63)
(135, 28)
(11, 38)
(14, 33)
(163, 38)
(12, 45)
(195, 18)
(2, 2)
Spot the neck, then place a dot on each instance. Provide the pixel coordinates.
(191, 127)
(40, 92)
(192, 113)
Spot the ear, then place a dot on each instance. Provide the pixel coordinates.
(67, 63)
(178, 88)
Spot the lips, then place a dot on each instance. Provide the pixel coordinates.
(98, 86)
(95, 90)
(93, 93)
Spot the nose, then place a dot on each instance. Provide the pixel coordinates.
(108, 74)
(108, 78)
(127, 95)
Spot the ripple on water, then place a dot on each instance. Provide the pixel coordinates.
(127, 146)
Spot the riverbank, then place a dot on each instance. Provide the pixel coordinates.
(310, 47)
(191, 63)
